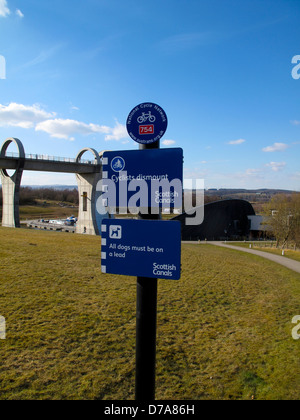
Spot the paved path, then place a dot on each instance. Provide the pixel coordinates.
(287, 262)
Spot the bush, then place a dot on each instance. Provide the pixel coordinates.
(283, 213)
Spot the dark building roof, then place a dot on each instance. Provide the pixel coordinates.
(225, 219)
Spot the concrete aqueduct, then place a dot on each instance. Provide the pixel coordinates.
(88, 173)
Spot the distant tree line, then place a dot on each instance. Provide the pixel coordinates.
(33, 196)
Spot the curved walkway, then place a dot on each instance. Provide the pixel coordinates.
(287, 262)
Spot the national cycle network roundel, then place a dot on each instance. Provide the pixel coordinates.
(147, 123)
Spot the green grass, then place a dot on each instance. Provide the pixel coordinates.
(224, 330)
(268, 247)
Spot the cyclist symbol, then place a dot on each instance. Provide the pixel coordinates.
(146, 116)
(118, 164)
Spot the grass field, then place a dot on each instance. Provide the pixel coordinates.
(224, 330)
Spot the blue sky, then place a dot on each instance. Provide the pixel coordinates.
(221, 69)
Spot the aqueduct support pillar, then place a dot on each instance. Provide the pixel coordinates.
(89, 220)
(11, 186)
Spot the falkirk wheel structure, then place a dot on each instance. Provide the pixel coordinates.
(88, 174)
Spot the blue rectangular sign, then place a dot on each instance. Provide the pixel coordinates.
(160, 171)
(142, 248)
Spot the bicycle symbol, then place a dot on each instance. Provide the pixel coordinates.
(118, 164)
(146, 117)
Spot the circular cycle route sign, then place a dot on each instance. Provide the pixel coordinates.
(147, 123)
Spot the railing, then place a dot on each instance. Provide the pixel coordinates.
(51, 158)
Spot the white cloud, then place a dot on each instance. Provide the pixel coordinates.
(295, 122)
(253, 172)
(276, 147)
(65, 129)
(237, 142)
(25, 116)
(19, 13)
(168, 142)
(4, 10)
(43, 56)
(33, 116)
(117, 133)
(276, 166)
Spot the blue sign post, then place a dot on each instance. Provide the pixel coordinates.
(145, 248)
(161, 169)
(148, 248)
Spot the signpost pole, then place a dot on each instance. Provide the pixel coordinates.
(146, 320)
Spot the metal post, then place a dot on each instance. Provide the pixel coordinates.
(146, 316)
